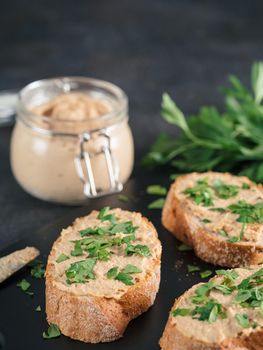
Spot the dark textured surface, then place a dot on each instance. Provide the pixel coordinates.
(184, 47)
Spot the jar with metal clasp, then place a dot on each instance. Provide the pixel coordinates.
(77, 148)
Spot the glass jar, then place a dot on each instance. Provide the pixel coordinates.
(66, 160)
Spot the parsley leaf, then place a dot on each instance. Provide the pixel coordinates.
(157, 190)
(62, 258)
(205, 274)
(229, 140)
(104, 216)
(248, 213)
(38, 271)
(157, 204)
(139, 249)
(242, 320)
(81, 271)
(192, 268)
(124, 275)
(181, 312)
(52, 332)
(223, 190)
(112, 273)
(200, 193)
(123, 198)
(24, 285)
(184, 248)
(38, 308)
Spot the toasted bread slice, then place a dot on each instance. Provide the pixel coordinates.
(219, 215)
(94, 288)
(223, 314)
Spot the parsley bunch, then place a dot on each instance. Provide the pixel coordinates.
(230, 140)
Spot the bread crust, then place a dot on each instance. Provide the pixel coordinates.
(206, 246)
(96, 319)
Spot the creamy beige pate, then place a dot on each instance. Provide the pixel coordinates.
(44, 164)
(101, 285)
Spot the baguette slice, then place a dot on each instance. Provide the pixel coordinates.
(215, 232)
(100, 308)
(235, 327)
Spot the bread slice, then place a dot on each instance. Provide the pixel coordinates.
(94, 289)
(232, 321)
(219, 215)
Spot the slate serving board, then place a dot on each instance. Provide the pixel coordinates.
(21, 327)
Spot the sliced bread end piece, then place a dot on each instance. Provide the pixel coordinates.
(234, 326)
(100, 309)
(186, 220)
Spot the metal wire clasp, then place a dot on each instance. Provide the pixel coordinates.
(84, 167)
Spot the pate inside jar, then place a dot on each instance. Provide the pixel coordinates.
(71, 140)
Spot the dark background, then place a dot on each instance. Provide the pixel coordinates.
(186, 48)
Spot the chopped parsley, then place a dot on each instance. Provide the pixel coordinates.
(220, 210)
(245, 186)
(123, 198)
(24, 285)
(223, 190)
(157, 204)
(223, 233)
(248, 213)
(38, 308)
(38, 271)
(206, 221)
(192, 268)
(52, 332)
(243, 320)
(156, 190)
(238, 238)
(201, 193)
(123, 275)
(81, 271)
(209, 311)
(206, 273)
(138, 249)
(181, 312)
(184, 248)
(105, 216)
(62, 258)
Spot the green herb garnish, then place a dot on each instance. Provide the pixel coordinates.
(238, 238)
(220, 210)
(184, 248)
(81, 271)
(209, 311)
(201, 193)
(123, 198)
(192, 268)
(223, 233)
(181, 312)
(105, 216)
(157, 190)
(139, 249)
(124, 275)
(206, 221)
(52, 332)
(248, 213)
(223, 190)
(38, 271)
(243, 320)
(245, 186)
(24, 285)
(206, 273)
(38, 308)
(227, 140)
(62, 258)
(157, 204)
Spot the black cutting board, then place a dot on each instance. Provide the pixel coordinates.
(21, 327)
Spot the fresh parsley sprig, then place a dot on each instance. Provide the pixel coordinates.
(229, 140)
